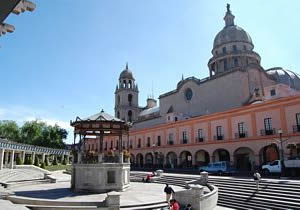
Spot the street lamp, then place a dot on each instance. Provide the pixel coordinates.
(281, 141)
(153, 147)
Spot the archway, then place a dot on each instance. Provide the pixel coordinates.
(159, 159)
(268, 154)
(221, 155)
(201, 158)
(139, 160)
(185, 158)
(149, 160)
(130, 116)
(244, 159)
(171, 160)
(132, 159)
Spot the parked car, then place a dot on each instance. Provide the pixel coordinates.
(292, 167)
(222, 167)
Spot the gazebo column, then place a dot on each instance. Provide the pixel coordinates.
(100, 155)
(79, 157)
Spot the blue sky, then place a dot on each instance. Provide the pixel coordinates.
(64, 59)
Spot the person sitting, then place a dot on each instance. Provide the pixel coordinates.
(174, 205)
(148, 178)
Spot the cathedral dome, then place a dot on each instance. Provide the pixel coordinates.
(284, 76)
(232, 33)
(126, 74)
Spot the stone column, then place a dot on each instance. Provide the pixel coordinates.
(23, 156)
(43, 157)
(12, 155)
(33, 157)
(1, 158)
(113, 200)
(6, 158)
(203, 177)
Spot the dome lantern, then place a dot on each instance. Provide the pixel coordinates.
(229, 17)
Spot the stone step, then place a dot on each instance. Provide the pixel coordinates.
(284, 191)
(254, 199)
(241, 205)
(45, 207)
(12, 185)
(250, 192)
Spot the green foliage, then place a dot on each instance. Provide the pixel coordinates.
(28, 160)
(58, 167)
(46, 161)
(43, 165)
(55, 162)
(34, 132)
(9, 130)
(36, 161)
(19, 161)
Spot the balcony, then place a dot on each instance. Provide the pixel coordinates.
(184, 141)
(241, 135)
(264, 132)
(199, 139)
(219, 137)
(170, 142)
(296, 128)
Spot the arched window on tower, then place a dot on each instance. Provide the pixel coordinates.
(124, 84)
(130, 116)
(119, 100)
(129, 84)
(118, 114)
(130, 99)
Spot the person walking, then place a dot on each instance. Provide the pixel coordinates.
(257, 178)
(169, 191)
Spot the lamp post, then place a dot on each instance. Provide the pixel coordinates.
(281, 141)
(281, 147)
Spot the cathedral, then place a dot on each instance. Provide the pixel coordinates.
(233, 115)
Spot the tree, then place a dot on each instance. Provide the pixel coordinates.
(9, 130)
(40, 134)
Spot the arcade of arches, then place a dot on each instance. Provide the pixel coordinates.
(243, 158)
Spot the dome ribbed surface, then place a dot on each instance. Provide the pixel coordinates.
(286, 77)
(232, 34)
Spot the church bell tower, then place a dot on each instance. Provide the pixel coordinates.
(126, 97)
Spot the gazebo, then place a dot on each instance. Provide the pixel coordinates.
(99, 175)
